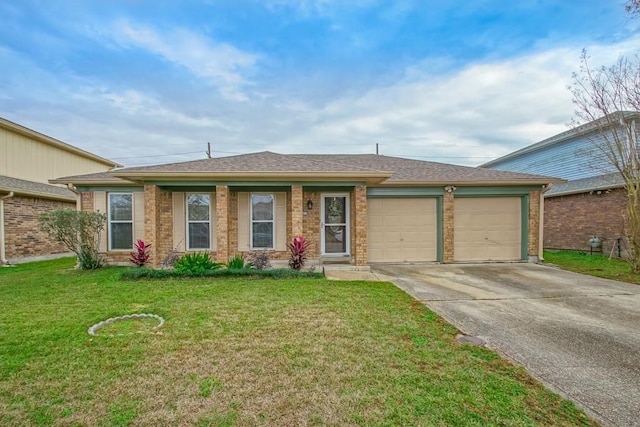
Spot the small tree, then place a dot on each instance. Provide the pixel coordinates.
(78, 231)
(608, 98)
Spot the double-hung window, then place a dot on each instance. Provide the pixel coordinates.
(262, 224)
(120, 221)
(198, 221)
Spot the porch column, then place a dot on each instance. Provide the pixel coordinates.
(222, 223)
(360, 225)
(158, 223)
(535, 209)
(297, 211)
(447, 225)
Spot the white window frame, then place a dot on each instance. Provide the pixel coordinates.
(272, 221)
(119, 221)
(188, 221)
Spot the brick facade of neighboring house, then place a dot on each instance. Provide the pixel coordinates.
(571, 220)
(592, 200)
(302, 202)
(23, 238)
(29, 161)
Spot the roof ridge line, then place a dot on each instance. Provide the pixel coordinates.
(333, 162)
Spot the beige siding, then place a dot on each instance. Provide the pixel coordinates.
(487, 229)
(244, 222)
(100, 205)
(402, 230)
(179, 221)
(138, 216)
(281, 222)
(213, 222)
(25, 158)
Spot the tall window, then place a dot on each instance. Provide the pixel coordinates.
(120, 221)
(198, 221)
(262, 227)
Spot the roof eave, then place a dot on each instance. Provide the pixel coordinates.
(372, 178)
(39, 194)
(582, 191)
(475, 183)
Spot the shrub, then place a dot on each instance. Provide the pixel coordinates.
(298, 252)
(196, 262)
(279, 273)
(260, 261)
(140, 257)
(79, 231)
(238, 263)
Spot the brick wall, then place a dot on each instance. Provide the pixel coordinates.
(87, 202)
(447, 227)
(534, 223)
(223, 251)
(359, 223)
(311, 223)
(158, 224)
(23, 237)
(571, 220)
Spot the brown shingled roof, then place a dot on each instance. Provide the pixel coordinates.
(37, 189)
(409, 170)
(267, 165)
(264, 161)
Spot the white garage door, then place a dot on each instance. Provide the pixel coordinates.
(402, 230)
(487, 229)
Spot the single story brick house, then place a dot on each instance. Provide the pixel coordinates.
(355, 208)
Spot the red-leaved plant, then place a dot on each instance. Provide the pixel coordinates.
(298, 252)
(141, 254)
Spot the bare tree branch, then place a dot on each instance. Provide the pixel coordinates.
(607, 101)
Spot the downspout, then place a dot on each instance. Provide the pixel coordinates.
(75, 191)
(3, 259)
(541, 223)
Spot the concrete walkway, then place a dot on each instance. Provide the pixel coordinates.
(577, 334)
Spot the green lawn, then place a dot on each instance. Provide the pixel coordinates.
(246, 352)
(594, 265)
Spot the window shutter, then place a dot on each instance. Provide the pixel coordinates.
(179, 222)
(138, 216)
(214, 220)
(244, 243)
(100, 205)
(281, 222)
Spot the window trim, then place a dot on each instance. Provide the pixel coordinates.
(188, 221)
(119, 221)
(272, 221)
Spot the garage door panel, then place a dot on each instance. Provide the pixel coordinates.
(487, 229)
(402, 230)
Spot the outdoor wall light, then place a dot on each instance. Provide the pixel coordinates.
(309, 204)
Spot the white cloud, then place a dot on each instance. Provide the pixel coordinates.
(219, 63)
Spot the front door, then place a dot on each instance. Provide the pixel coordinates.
(335, 224)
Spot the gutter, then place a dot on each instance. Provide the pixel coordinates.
(75, 191)
(3, 259)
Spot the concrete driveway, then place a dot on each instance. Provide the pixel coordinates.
(577, 334)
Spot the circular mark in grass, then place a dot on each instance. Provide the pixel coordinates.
(127, 325)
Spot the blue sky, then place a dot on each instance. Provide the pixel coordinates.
(145, 82)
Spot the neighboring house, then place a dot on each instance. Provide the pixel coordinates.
(353, 208)
(28, 160)
(591, 202)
